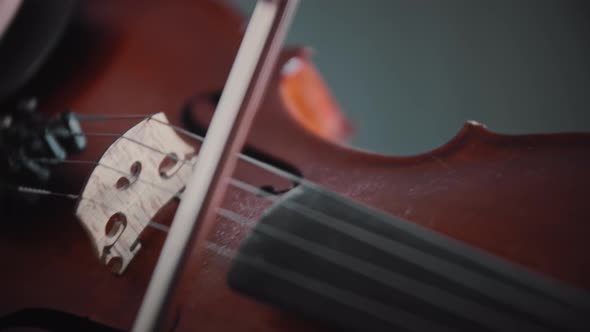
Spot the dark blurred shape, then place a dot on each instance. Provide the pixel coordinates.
(29, 40)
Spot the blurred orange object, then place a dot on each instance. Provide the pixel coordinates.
(310, 102)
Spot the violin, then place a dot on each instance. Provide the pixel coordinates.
(294, 231)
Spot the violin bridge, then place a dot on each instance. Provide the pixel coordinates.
(137, 175)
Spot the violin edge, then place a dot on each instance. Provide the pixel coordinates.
(472, 134)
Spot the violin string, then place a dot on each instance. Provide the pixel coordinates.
(102, 117)
(225, 213)
(341, 260)
(106, 117)
(39, 191)
(258, 163)
(440, 297)
(46, 192)
(239, 184)
(386, 277)
(253, 161)
(316, 216)
(119, 136)
(234, 182)
(395, 316)
(111, 168)
(235, 217)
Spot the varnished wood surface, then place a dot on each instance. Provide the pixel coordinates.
(523, 198)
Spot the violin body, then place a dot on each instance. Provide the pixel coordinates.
(521, 198)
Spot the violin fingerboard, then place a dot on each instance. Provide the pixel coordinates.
(327, 258)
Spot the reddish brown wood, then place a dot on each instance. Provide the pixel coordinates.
(523, 198)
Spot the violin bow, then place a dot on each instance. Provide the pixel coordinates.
(245, 86)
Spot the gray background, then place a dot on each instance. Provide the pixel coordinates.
(410, 73)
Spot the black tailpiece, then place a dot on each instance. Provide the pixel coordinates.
(31, 144)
